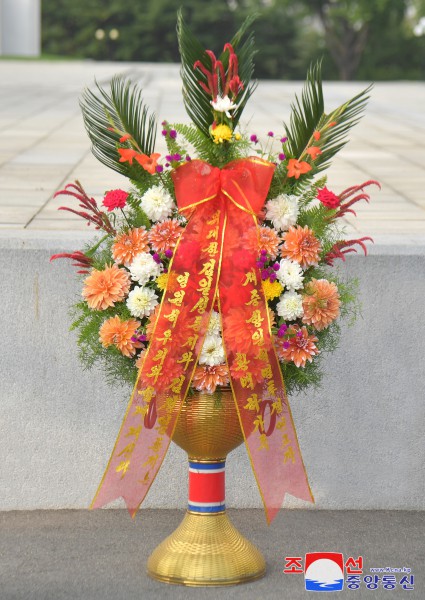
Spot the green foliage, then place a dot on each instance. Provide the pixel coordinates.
(307, 116)
(196, 100)
(122, 109)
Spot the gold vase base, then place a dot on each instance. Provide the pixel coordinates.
(206, 550)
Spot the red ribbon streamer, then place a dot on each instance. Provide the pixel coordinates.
(215, 261)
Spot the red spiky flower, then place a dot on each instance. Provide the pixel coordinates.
(347, 201)
(218, 80)
(82, 261)
(339, 249)
(90, 211)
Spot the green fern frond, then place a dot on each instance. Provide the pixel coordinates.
(121, 108)
(196, 100)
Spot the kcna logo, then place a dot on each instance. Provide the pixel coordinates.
(324, 571)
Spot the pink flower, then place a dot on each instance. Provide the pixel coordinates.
(328, 198)
(115, 199)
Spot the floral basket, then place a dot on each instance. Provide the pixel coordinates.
(213, 274)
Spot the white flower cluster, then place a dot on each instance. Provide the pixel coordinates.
(290, 306)
(224, 104)
(212, 352)
(144, 268)
(290, 274)
(141, 301)
(282, 211)
(157, 203)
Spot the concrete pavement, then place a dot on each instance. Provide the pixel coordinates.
(101, 555)
(43, 144)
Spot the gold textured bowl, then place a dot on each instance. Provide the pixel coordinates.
(208, 426)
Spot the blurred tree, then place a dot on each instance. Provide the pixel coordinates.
(353, 28)
(346, 26)
(363, 38)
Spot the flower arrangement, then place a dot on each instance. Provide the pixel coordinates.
(291, 237)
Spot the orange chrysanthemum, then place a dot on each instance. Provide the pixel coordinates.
(115, 332)
(103, 288)
(262, 238)
(299, 348)
(296, 168)
(320, 303)
(301, 245)
(206, 378)
(128, 245)
(164, 235)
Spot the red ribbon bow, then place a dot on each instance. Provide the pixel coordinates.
(215, 262)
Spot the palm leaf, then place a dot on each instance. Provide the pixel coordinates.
(121, 108)
(196, 100)
(308, 116)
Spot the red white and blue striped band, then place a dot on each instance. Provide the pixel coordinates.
(206, 487)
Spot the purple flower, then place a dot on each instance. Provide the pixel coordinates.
(299, 334)
(283, 140)
(164, 132)
(167, 164)
(264, 274)
(143, 338)
(156, 258)
(286, 345)
(188, 158)
(254, 138)
(282, 156)
(168, 253)
(173, 134)
(164, 123)
(177, 157)
(276, 266)
(263, 252)
(159, 168)
(273, 277)
(134, 338)
(168, 158)
(282, 330)
(270, 134)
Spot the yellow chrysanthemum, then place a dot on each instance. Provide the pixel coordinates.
(221, 133)
(272, 289)
(162, 280)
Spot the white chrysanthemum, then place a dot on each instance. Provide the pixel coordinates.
(212, 352)
(282, 211)
(143, 268)
(290, 306)
(214, 326)
(157, 203)
(141, 301)
(224, 105)
(290, 274)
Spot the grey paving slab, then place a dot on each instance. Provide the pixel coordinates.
(81, 555)
(43, 144)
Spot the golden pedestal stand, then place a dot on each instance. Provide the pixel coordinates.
(206, 549)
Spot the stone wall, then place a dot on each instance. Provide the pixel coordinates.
(361, 435)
